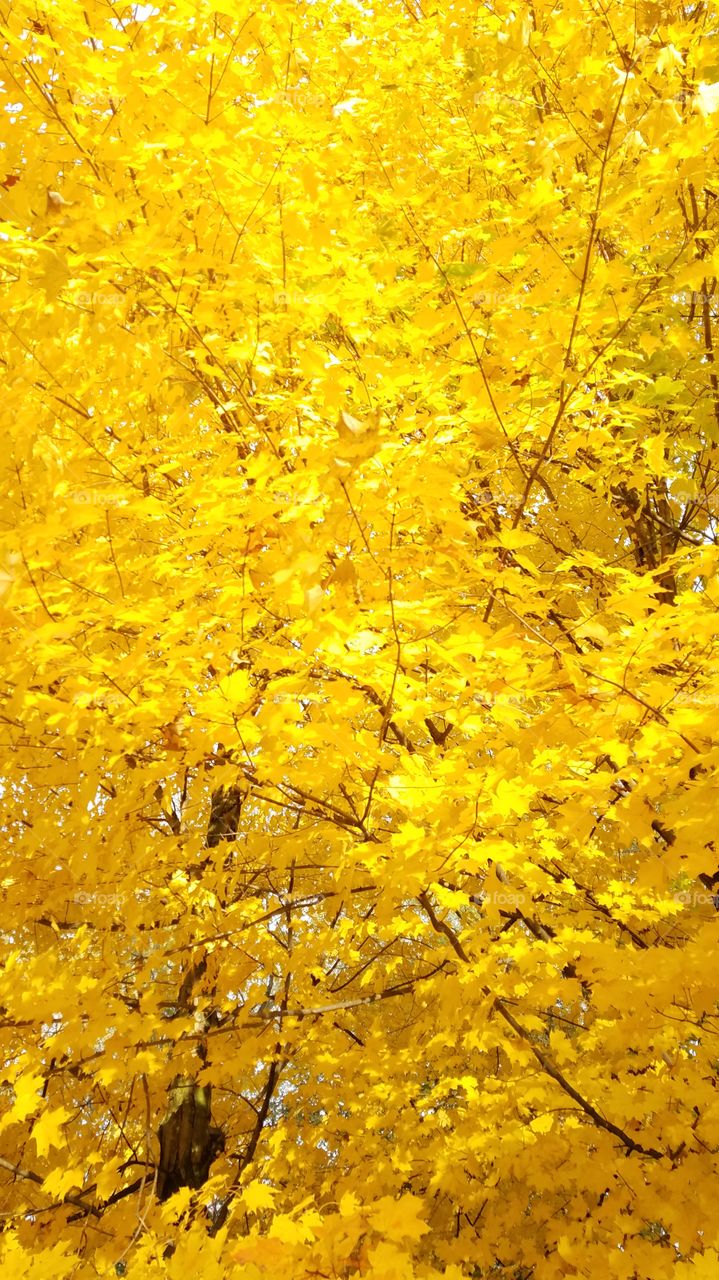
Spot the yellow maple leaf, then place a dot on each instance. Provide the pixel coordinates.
(389, 1263)
(47, 1130)
(27, 1089)
(289, 1231)
(257, 1195)
(398, 1219)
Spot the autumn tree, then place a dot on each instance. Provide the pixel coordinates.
(358, 625)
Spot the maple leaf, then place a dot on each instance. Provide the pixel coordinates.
(399, 1219)
(256, 1195)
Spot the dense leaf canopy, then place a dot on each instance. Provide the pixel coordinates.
(358, 639)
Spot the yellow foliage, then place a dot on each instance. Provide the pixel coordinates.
(358, 634)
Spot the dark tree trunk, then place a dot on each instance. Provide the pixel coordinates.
(188, 1140)
(225, 812)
